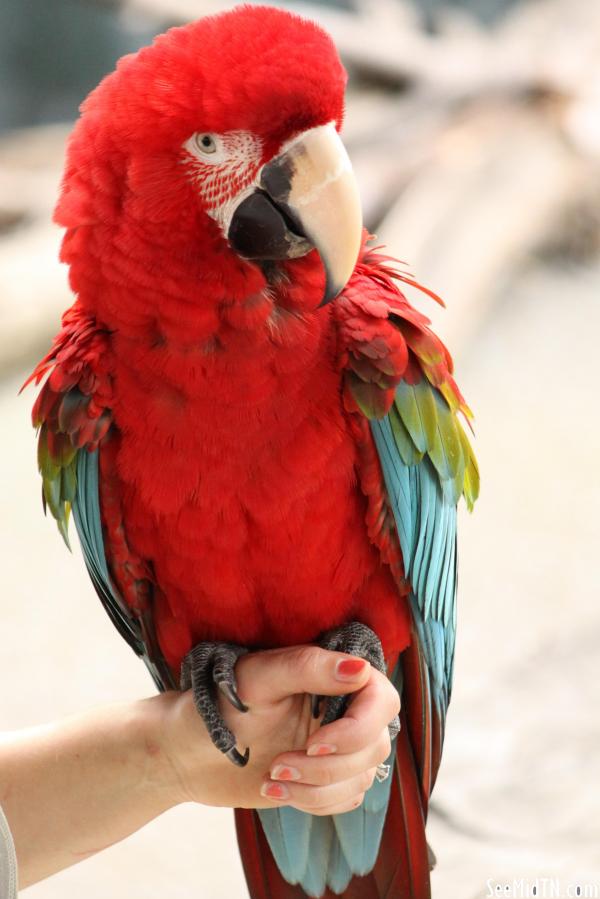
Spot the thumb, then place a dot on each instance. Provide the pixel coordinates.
(275, 674)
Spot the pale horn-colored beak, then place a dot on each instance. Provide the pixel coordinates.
(313, 182)
(307, 197)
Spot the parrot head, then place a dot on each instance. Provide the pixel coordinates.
(220, 143)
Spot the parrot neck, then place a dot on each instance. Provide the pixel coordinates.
(232, 356)
(169, 291)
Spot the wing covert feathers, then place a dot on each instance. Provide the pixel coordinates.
(73, 417)
(395, 366)
(72, 410)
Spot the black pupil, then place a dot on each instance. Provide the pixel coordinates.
(206, 141)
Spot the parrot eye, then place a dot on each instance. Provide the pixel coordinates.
(206, 143)
(221, 165)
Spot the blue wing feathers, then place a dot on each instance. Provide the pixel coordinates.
(86, 512)
(397, 487)
(427, 532)
(443, 601)
(435, 574)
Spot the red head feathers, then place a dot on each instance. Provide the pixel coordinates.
(208, 159)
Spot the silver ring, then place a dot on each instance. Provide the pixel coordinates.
(382, 772)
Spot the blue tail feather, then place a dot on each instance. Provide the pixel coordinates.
(320, 852)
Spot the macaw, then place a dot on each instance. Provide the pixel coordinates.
(257, 434)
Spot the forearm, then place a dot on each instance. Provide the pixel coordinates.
(75, 787)
(72, 788)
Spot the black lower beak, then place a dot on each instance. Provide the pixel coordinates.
(261, 229)
(307, 197)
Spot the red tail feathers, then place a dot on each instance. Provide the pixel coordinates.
(402, 867)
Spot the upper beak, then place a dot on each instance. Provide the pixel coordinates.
(308, 197)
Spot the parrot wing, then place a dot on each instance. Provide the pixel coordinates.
(73, 418)
(415, 462)
(399, 376)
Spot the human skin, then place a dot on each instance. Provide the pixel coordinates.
(72, 788)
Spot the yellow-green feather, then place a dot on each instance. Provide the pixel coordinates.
(422, 416)
(471, 479)
(417, 411)
(408, 451)
(59, 478)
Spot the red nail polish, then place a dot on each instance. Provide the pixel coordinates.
(285, 772)
(276, 791)
(349, 669)
(321, 749)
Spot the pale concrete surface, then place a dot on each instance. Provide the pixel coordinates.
(519, 791)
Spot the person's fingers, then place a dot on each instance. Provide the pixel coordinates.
(310, 798)
(370, 710)
(273, 675)
(341, 808)
(324, 770)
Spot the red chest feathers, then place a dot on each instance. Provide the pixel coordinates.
(239, 484)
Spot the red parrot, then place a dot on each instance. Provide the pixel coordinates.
(257, 434)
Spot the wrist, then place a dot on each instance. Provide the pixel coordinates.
(158, 736)
(178, 742)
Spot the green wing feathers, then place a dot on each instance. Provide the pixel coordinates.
(71, 412)
(425, 425)
(57, 462)
(396, 366)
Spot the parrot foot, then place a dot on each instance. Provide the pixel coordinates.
(208, 666)
(358, 640)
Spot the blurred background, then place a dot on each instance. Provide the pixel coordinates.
(474, 128)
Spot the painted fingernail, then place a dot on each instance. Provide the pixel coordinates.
(349, 669)
(321, 749)
(285, 772)
(274, 790)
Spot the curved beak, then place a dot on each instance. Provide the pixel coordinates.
(308, 197)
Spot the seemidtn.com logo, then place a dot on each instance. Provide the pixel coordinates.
(541, 888)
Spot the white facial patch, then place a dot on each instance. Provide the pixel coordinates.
(223, 167)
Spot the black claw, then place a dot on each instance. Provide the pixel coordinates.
(335, 707)
(230, 693)
(394, 727)
(358, 640)
(237, 758)
(206, 667)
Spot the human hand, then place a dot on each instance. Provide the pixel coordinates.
(323, 770)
